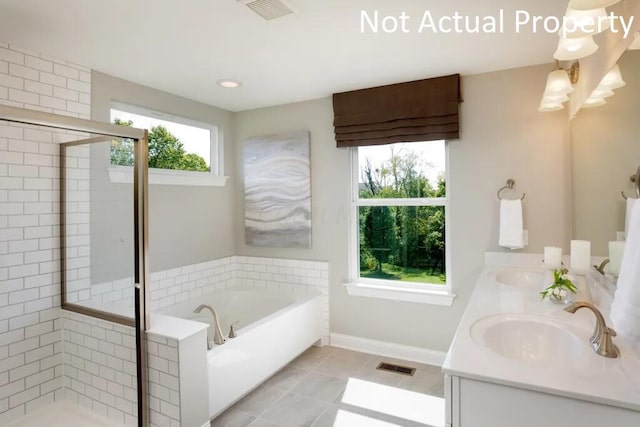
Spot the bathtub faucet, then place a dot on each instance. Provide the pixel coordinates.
(218, 338)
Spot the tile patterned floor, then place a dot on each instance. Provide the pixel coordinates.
(317, 390)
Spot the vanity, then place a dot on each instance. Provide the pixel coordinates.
(519, 361)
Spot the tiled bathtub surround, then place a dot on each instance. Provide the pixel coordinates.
(100, 371)
(30, 338)
(100, 366)
(287, 274)
(181, 284)
(189, 282)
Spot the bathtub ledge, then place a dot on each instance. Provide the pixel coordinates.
(174, 327)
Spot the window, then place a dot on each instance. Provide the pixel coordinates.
(181, 151)
(399, 237)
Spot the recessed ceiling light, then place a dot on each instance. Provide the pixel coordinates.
(230, 84)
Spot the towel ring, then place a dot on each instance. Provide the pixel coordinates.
(509, 186)
(636, 180)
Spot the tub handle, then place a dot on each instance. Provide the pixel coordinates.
(232, 331)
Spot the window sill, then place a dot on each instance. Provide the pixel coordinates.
(124, 175)
(399, 293)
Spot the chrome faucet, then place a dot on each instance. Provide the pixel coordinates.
(218, 338)
(601, 341)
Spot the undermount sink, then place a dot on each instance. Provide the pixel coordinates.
(528, 338)
(520, 277)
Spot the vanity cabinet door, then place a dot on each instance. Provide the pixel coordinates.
(482, 404)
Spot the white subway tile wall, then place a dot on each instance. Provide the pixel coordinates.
(100, 371)
(290, 275)
(184, 283)
(100, 367)
(47, 354)
(164, 381)
(181, 284)
(31, 362)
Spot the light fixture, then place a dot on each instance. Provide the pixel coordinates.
(229, 84)
(560, 82)
(559, 85)
(613, 79)
(602, 93)
(550, 106)
(583, 20)
(594, 101)
(556, 98)
(576, 48)
(583, 23)
(591, 4)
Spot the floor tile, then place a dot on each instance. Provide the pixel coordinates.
(287, 378)
(369, 372)
(343, 353)
(423, 380)
(437, 390)
(295, 410)
(259, 400)
(312, 357)
(311, 390)
(320, 386)
(259, 422)
(233, 418)
(340, 367)
(344, 415)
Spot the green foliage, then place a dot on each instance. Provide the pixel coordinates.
(122, 149)
(561, 281)
(401, 242)
(165, 151)
(193, 162)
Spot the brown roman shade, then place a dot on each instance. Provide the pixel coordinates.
(423, 110)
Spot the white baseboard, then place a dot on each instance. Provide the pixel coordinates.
(381, 348)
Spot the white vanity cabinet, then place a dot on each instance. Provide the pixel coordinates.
(519, 361)
(472, 403)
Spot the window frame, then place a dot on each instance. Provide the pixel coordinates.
(214, 178)
(394, 289)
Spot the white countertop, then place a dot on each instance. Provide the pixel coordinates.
(593, 378)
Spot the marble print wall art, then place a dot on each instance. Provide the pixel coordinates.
(277, 190)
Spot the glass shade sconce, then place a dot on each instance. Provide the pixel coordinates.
(583, 20)
(611, 81)
(559, 85)
(571, 49)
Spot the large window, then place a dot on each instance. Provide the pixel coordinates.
(181, 151)
(400, 203)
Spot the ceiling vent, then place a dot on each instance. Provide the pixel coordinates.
(269, 9)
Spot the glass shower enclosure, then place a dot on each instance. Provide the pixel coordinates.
(103, 227)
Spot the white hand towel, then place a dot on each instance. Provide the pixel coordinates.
(630, 204)
(511, 229)
(625, 309)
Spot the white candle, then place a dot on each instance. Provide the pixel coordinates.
(580, 256)
(552, 257)
(616, 249)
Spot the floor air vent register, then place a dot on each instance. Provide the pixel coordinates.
(390, 367)
(268, 9)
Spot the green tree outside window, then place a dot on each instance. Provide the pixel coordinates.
(165, 151)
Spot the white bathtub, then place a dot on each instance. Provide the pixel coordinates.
(273, 328)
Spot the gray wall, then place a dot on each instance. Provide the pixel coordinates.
(503, 136)
(187, 224)
(606, 152)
